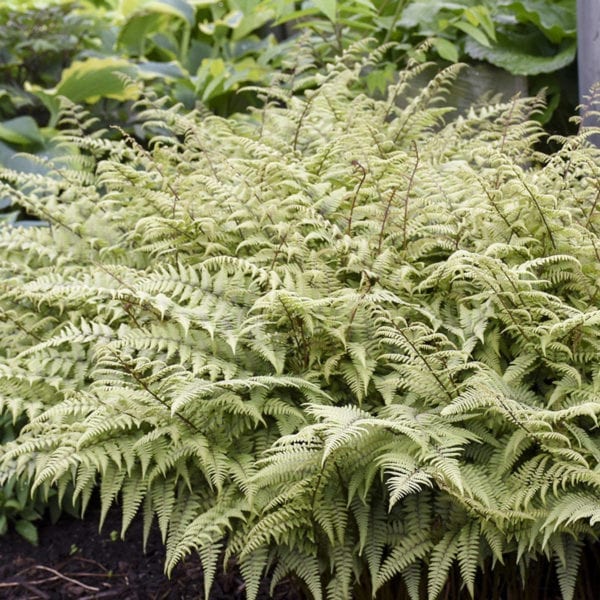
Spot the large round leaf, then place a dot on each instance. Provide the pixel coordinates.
(556, 19)
(21, 131)
(524, 54)
(95, 78)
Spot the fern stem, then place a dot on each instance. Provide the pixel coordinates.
(278, 250)
(495, 206)
(392, 27)
(385, 218)
(300, 121)
(300, 339)
(406, 198)
(425, 362)
(144, 152)
(18, 325)
(131, 371)
(499, 295)
(507, 123)
(540, 211)
(593, 209)
(356, 165)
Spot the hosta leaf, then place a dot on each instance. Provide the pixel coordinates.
(556, 19)
(22, 131)
(523, 54)
(95, 78)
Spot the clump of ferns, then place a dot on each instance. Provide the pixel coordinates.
(350, 339)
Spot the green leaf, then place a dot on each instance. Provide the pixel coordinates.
(327, 7)
(95, 78)
(250, 22)
(523, 54)
(423, 13)
(27, 530)
(22, 131)
(473, 32)
(162, 70)
(480, 17)
(556, 19)
(445, 48)
(176, 8)
(135, 31)
(233, 19)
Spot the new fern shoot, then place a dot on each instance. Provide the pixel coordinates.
(348, 339)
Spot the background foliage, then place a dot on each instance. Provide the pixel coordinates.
(350, 339)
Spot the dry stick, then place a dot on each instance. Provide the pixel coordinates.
(87, 560)
(61, 576)
(356, 165)
(410, 184)
(34, 590)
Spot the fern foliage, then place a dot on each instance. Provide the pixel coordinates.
(347, 339)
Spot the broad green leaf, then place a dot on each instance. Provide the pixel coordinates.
(135, 31)
(126, 7)
(523, 54)
(95, 78)
(252, 21)
(166, 70)
(233, 19)
(474, 32)
(379, 79)
(48, 99)
(27, 530)
(177, 8)
(327, 7)
(556, 19)
(446, 49)
(480, 17)
(22, 131)
(26, 162)
(424, 13)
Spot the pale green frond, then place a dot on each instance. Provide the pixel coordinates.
(442, 557)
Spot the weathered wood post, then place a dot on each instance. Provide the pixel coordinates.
(588, 58)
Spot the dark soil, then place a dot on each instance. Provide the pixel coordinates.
(74, 561)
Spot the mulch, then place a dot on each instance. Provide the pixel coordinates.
(74, 561)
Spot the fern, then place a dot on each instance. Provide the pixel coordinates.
(341, 339)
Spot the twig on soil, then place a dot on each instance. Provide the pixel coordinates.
(28, 586)
(35, 590)
(106, 594)
(60, 576)
(88, 560)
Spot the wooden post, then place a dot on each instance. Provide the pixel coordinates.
(588, 60)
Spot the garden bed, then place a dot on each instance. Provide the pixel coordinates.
(74, 560)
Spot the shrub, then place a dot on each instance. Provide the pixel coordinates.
(348, 339)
